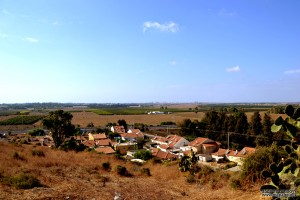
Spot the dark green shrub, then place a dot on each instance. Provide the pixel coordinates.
(122, 171)
(37, 132)
(38, 153)
(156, 160)
(23, 181)
(106, 166)
(143, 154)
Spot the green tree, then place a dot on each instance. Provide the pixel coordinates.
(143, 154)
(255, 127)
(266, 128)
(60, 126)
(241, 123)
(123, 123)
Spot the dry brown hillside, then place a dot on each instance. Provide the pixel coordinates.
(71, 175)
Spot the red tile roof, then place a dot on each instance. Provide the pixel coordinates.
(246, 151)
(163, 155)
(164, 146)
(99, 136)
(131, 135)
(106, 150)
(160, 139)
(89, 143)
(135, 131)
(119, 129)
(220, 152)
(198, 141)
(105, 142)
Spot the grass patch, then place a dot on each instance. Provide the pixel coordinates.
(38, 153)
(22, 181)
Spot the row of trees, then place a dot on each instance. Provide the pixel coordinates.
(219, 125)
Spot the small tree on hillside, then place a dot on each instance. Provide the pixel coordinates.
(60, 126)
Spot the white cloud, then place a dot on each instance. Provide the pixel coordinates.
(233, 69)
(173, 63)
(296, 71)
(225, 12)
(166, 27)
(32, 40)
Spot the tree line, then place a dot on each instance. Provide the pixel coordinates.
(218, 125)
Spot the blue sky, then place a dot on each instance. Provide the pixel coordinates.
(149, 51)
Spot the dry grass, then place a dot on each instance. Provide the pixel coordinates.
(84, 118)
(80, 176)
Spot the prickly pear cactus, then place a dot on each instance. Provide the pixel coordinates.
(285, 175)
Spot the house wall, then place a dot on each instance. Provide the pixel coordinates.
(182, 142)
(124, 148)
(209, 149)
(91, 136)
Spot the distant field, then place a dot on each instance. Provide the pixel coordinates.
(19, 120)
(83, 118)
(133, 111)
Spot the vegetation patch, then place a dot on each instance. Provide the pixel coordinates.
(22, 181)
(21, 120)
(38, 153)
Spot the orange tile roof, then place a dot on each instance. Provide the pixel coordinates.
(99, 136)
(119, 129)
(163, 155)
(246, 151)
(106, 150)
(89, 143)
(105, 142)
(198, 141)
(164, 146)
(220, 152)
(160, 139)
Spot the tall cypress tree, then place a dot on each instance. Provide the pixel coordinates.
(255, 125)
(266, 128)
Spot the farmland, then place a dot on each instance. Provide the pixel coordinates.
(20, 120)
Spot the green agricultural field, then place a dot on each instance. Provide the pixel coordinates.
(21, 120)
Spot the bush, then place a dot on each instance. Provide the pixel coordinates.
(121, 170)
(106, 166)
(37, 132)
(143, 154)
(235, 183)
(17, 156)
(259, 161)
(146, 171)
(23, 181)
(38, 153)
(191, 178)
(156, 160)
